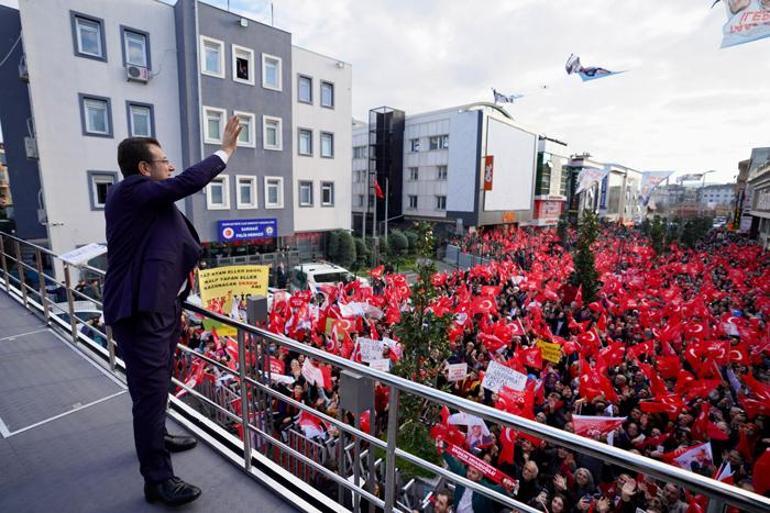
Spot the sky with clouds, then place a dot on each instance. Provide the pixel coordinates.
(683, 105)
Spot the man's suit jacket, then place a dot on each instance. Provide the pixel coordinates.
(151, 246)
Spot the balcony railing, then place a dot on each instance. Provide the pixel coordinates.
(31, 282)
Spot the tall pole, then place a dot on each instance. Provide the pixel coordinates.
(366, 206)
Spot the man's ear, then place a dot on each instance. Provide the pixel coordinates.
(144, 168)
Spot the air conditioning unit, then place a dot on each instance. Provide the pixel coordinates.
(137, 73)
(30, 146)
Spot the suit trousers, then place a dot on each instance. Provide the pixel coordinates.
(147, 342)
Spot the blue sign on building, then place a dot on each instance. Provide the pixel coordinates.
(603, 197)
(247, 229)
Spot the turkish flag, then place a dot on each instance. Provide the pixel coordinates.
(590, 427)
(484, 305)
(761, 473)
(532, 357)
(378, 191)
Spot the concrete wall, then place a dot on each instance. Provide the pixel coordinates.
(57, 76)
(15, 109)
(226, 93)
(317, 119)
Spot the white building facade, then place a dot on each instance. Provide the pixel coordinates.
(78, 54)
(322, 131)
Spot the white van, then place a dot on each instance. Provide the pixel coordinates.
(314, 273)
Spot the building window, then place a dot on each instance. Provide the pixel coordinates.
(246, 190)
(271, 72)
(439, 142)
(212, 57)
(273, 192)
(136, 47)
(305, 194)
(441, 173)
(440, 202)
(95, 115)
(141, 119)
(412, 202)
(327, 145)
(414, 174)
(243, 65)
(359, 152)
(414, 145)
(218, 193)
(327, 194)
(361, 200)
(214, 120)
(304, 89)
(271, 133)
(305, 141)
(99, 183)
(247, 121)
(327, 95)
(88, 36)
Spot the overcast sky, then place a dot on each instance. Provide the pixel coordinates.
(683, 105)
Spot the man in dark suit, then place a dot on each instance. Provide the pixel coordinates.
(152, 249)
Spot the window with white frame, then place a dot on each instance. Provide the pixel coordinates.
(246, 191)
(440, 202)
(359, 152)
(136, 47)
(441, 173)
(140, 120)
(96, 115)
(88, 33)
(327, 144)
(412, 201)
(212, 57)
(305, 141)
(218, 193)
(99, 183)
(271, 133)
(273, 192)
(214, 120)
(414, 174)
(327, 95)
(305, 193)
(243, 65)
(327, 194)
(304, 89)
(439, 142)
(414, 145)
(247, 121)
(271, 72)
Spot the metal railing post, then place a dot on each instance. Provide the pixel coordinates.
(4, 263)
(715, 506)
(390, 451)
(244, 402)
(110, 346)
(70, 304)
(22, 283)
(41, 284)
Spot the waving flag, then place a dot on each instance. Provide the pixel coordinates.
(595, 426)
(747, 21)
(650, 180)
(505, 98)
(573, 66)
(589, 176)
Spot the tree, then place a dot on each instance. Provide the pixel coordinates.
(412, 237)
(657, 231)
(333, 245)
(399, 244)
(347, 250)
(585, 269)
(426, 242)
(362, 252)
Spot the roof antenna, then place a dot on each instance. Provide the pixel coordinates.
(272, 15)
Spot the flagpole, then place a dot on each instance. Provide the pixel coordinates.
(387, 194)
(374, 225)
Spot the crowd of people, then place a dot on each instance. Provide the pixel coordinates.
(669, 360)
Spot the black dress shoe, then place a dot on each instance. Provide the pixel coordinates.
(179, 443)
(171, 492)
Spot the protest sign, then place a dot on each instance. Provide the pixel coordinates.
(370, 349)
(549, 350)
(457, 371)
(498, 376)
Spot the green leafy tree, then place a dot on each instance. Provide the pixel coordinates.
(333, 245)
(411, 237)
(585, 268)
(346, 253)
(657, 231)
(362, 253)
(399, 244)
(426, 242)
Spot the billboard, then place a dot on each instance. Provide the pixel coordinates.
(234, 230)
(515, 152)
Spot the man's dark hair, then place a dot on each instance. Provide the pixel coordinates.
(132, 151)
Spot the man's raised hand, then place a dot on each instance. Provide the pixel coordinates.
(230, 139)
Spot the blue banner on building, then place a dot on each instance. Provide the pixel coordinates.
(603, 197)
(247, 229)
